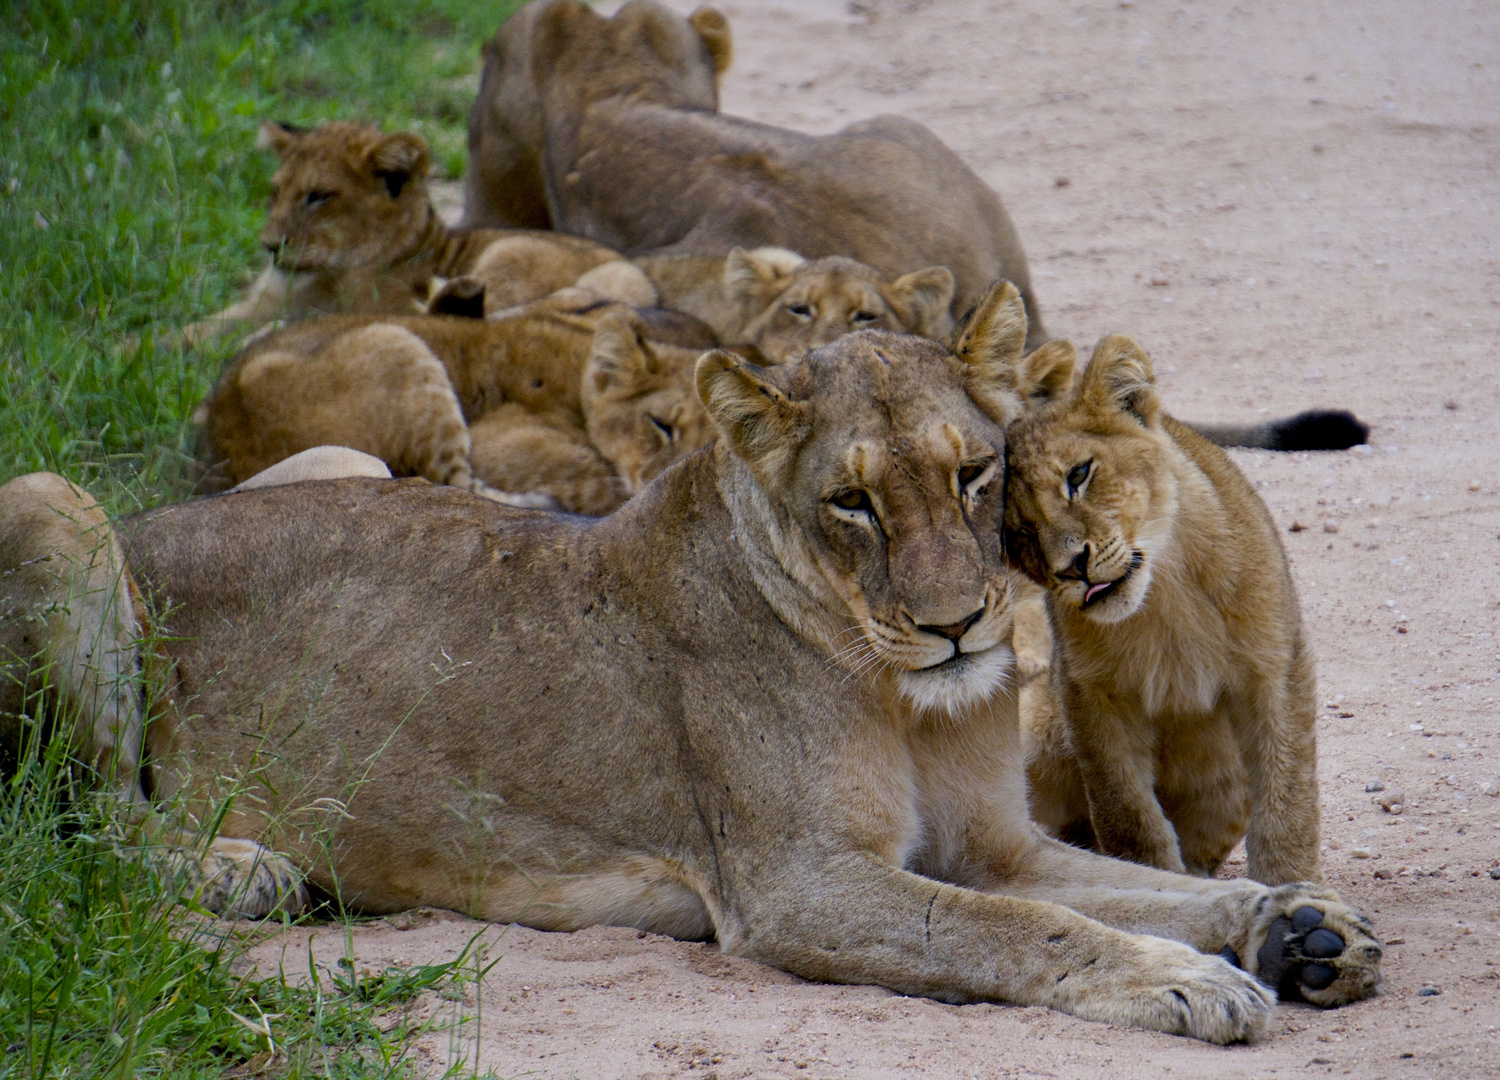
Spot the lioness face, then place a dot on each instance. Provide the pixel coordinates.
(1089, 500)
(809, 305)
(346, 196)
(889, 474)
(639, 402)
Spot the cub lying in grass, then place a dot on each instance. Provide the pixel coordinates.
(351, 228)
(500, 406)
(1187, 683)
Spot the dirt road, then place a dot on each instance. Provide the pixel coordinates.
(1290, 205)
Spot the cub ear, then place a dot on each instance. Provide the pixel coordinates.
(462, 296)
(713, 28)
(278, 136)
(620, 357)
(762, 271)
(398, 159)
(921, 300)
(1046, 374)
(755, 418)
(1120, 378)
(990, 343)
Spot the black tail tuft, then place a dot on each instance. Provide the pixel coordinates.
(1318, 429)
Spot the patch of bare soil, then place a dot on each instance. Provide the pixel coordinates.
(1291, 205)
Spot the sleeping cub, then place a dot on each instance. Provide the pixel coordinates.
(1186, 683)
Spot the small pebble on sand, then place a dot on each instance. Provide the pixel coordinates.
(1062, 181)
(1375, 785)
(1392, 802)
(1361, 853)
(1428, 991)
(1296, 526)
(1330, 526)
(1490, 788)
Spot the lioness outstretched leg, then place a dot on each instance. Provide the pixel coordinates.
(70, 617)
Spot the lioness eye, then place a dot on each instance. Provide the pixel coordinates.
(967, 474)
(865, 316)
(853, 499)
(1077, 475)
(318, 198)
(664, 429)
(802, 311)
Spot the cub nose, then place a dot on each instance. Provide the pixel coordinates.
(273, 246)
(953, 631)
(1078, 569)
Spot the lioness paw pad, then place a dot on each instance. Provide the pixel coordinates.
(1316, 949)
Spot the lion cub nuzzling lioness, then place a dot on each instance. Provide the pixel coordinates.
(1188, 686)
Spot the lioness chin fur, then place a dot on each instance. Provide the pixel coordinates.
(1187, 681)
(658, 719)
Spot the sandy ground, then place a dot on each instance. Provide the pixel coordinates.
(1291, 205)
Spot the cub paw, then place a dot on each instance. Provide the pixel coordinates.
(1203, 997)
(241, 879)
(1312, 947)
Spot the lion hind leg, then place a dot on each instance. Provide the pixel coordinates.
(69, 610)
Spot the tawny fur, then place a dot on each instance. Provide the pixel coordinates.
(670, 718)
(609, 128)
(785, 305)
(351, 228)
(1188, 686)
(497, 406)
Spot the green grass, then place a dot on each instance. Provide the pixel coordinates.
(130, 200)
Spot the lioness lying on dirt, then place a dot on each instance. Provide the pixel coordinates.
(609, 128)
(351, 228)
(766, 701)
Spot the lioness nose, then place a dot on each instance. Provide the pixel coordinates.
(1079, 568)
(273, 246)
(953, 631)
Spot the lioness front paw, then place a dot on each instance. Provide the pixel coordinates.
(1311, 946)
(1184, 992)
(242, 879)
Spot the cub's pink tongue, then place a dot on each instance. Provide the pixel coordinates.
(1095, 590)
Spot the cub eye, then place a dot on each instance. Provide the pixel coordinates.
(1076, 477)
(802, 311)
(863, 317)
(664, 429)
(318, 198)
(967, 474)
(854, 499)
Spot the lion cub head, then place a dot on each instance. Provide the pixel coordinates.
(794, 305)
(639, 401)
(881, 457)
(346, 196)
(1091, 497)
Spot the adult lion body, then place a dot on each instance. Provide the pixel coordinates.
(608, 128)
(656, 720)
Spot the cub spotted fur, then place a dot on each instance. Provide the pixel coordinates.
(1186, 679)
(664, 724)
(351, 228)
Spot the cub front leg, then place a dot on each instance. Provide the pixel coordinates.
(1117, 759)
(1274, 725)
(854, 919)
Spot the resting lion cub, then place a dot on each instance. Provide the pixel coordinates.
(1188, 686)
(501, 407)
(786, 305)
(351, 229)
(658, 719)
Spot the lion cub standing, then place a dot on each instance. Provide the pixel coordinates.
(1187, 684)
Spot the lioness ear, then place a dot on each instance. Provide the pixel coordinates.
(398, 159)
(921, 300)
(277, 136)
(1120, 378)
(1047, 373)
(990, 343)
(713, 28)
(620, 356)
(754, 417)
